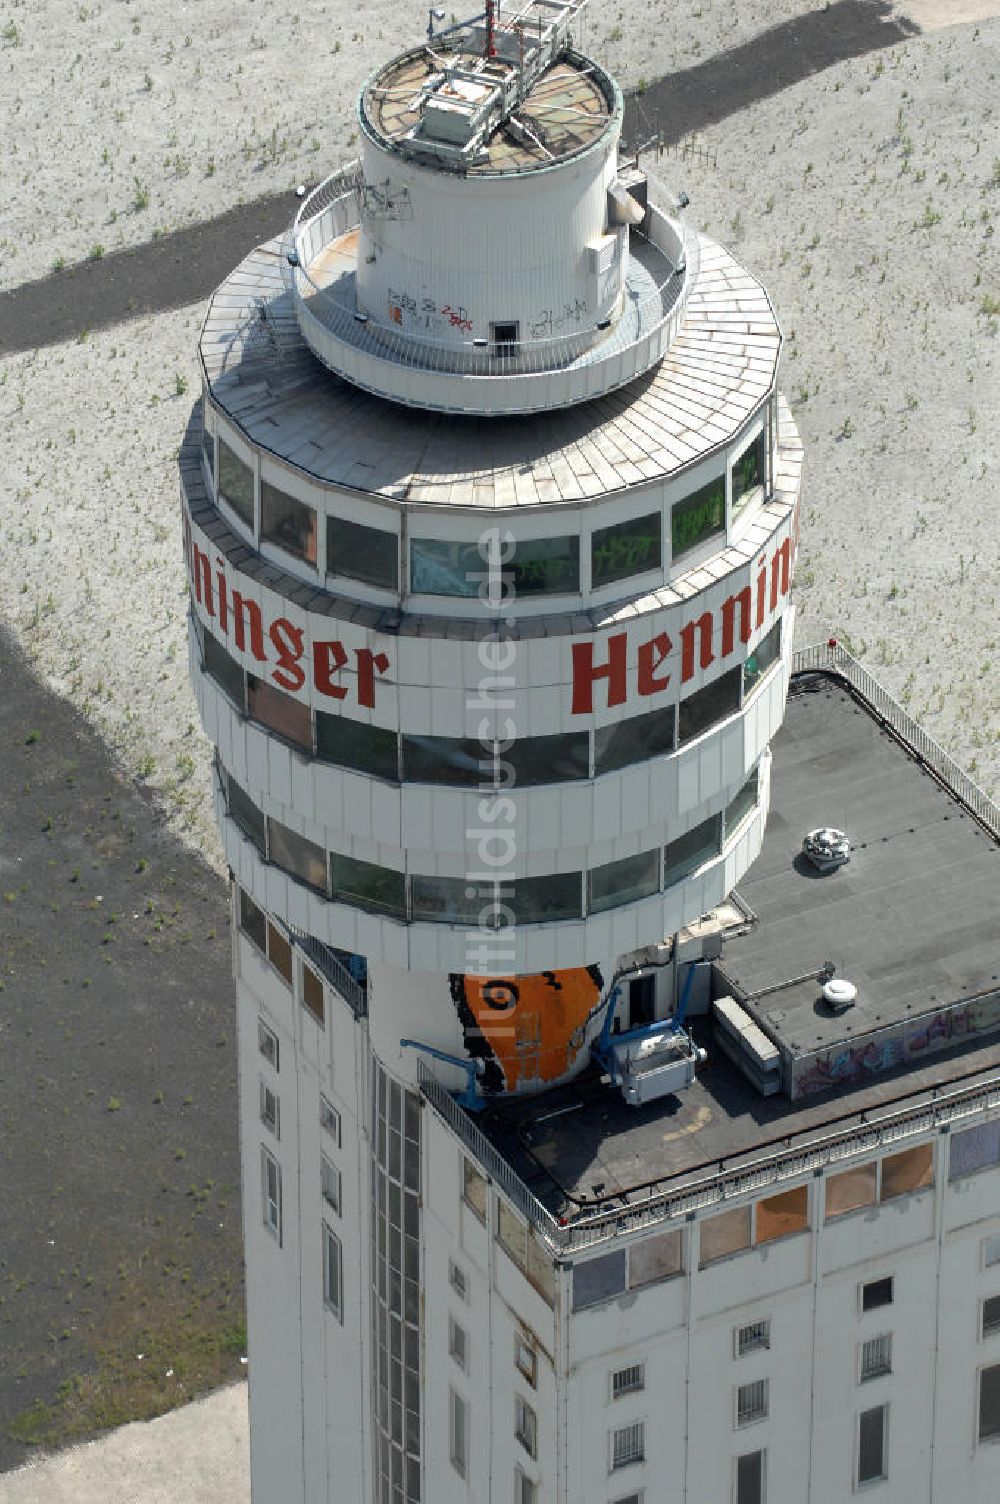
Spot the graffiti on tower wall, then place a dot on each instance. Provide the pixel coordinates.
(526, 1029)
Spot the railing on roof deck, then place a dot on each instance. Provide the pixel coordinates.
(832, 656)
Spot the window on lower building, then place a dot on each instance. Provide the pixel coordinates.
(599, 1279)
(876, 1357)
(631, 1380)
(287, 522)
(750, 1478)
(458, 1281)
(910, 1171)
(329, 1180)
(270, 1109)
(753, 1337)
(991, 1315)
(458, 1433)
(475, 1189)
(990, 1248)
(236, 484)
(707, 707)
(368, 554)
(540, 1269)
(296, 855)
(725, 1233)
(525, 1489)
(381, 889)
(526, 1426)
(279, 712)
(458, 1343)
(637, 739)
(780, 1216)
(871, 1444)
(252, 921)
(657, 1257)
(329, 1120)
(877, 1292)
(525, 1360)
(279, 953)
(625, 881)
(626, 549)
(698, 516)
(270, 1175)
(312, 995)
(628, 1445)
(851, 1190)
(267, 1043)
(974, 1149)
(751, 1402)
(333, 1273)
(989, 1403)
(226, 672)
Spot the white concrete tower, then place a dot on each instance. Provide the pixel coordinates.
(490, 525)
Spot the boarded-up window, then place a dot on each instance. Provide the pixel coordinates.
(252, 921)
(724, 1234)
(312, 994)
(778, 1216)
(279, 953)
(598, 1280)
(909, 1171)
(851, 1189)
(541, 1270)
(975, 1149)
(284, 715)
(512, 1234)
(656, 1258)
(474, 1189)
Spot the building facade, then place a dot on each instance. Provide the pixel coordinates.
(490, 513)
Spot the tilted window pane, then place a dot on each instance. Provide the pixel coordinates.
(252, 921)
(597, 1280)
(749, 472)
(537, 566)
(546, 759)
(287, 522)
(312, 994)
(708, 706)
(236, 483)
(279, 953)
(989, 1402)
(246, 814)
(443, 900)
(449, 760)
(850, 1190)
(629, 548)
(225, 671)
(368, 886)
(698, 516)
(911, 1170)
(655, 1258)
(738, 809)
(512, 1234)
(288, 717)
(778, 1216)
(368, 554)
(294, 854)
(974, 1149)
(635, 740)
(764, 656)
(693, 848)
(725, 1233)
(353, 744)
(208, 450)
(621, 882)
(537, 899)
(541, 1270)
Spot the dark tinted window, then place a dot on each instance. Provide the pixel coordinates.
(252, 921)
(738, 808)
(628, 548)
(287, 522)
(247, 816)
(706, 707)
(991, 1314)
(236, 483)
(294, 854)
(623, 882)
(598, 1279)
(208, 449)
(548, 759)
(748, 473)
(540, 566)
(698, 516)
(224, 670)
(353, 744)
(558, 896)
(635, 740)
(750, 1478)
(989, 1402)
(448, 760)
(288, 717)
(877, 1293)
(871, 1444)
(765, 654)
(689, 851)
(369, 554)
(546, 566)
(443, 900)
(368, 886)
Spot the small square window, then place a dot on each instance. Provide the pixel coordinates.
(628, 1445)
(270, 1109)
(458, 1343)
(329, 1119)
(991, 1315)
(270, 1176)
(330, 1183)
(752, 1402)
(526, 1426)
(876, 1357)
(333, 1273)
(505, 338)
(526, 1360)
(458, 1281)
(629, 1380)
(753, 1337)
(878, 1292)
(267, 1043)
(312, 994)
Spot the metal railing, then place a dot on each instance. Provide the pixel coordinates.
(333, 209)
(832, 657)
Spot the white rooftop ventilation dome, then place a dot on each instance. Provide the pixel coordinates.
(486, 231)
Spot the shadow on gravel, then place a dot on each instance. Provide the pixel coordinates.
(120, 1233)
(686, 102)
(188, 265)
